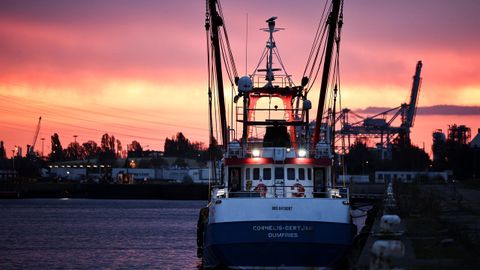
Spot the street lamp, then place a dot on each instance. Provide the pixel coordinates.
(363, 166)
(13, 159)
(43, 140)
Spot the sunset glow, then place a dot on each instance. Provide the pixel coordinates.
(137, 69)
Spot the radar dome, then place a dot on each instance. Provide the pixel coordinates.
(245, 84)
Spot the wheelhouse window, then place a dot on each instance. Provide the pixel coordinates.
(279, 173)
(256, 173)
(301, 173)
(291, 173)
(247, 174)
(309, 173)
(267, 173)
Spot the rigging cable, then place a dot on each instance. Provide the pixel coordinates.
(230, 54)
(263, 55)
(315, 40)
(277, 53)
(318, 43)
(213, 172)
(226, 61)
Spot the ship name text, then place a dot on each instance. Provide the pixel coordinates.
(282, 208)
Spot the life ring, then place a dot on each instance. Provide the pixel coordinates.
(261, 188)
(299, 190)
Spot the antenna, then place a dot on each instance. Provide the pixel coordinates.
(246, 45)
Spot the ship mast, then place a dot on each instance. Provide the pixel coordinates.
(214, 21)
(270, 47)
(332, 22)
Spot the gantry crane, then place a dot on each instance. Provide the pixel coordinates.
(378, 126)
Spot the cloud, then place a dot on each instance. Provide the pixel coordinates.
(68, 39)
(425, 24)
(431, 110)
(148, 56)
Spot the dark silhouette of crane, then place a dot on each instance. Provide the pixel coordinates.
(31, 148)
(378, 126)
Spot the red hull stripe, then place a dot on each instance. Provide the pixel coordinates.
(266, 161)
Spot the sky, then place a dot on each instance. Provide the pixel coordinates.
(138, 69)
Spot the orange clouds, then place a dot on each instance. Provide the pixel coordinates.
(138, 69)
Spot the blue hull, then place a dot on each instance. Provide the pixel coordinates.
(276, 244)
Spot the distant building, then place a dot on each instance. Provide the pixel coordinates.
(82, 171)
(77, 170)
(175, 175)
(408, 176)
(68, 173)
(351, 178)
(7, 174)
(136, 169)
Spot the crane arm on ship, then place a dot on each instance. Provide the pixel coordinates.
(333, 21)
(212, 24)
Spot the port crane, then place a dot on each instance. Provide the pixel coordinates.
(378, 126)
(31, 148)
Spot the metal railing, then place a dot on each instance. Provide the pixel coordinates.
(281, 80)
(286, 114)
(333, 193)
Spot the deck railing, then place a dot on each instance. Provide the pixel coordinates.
(337, 192)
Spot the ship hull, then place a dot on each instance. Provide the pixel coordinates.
(277, 244)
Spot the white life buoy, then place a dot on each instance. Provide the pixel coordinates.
(299, 190)
(262, 189)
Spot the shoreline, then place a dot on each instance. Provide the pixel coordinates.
(168, 191)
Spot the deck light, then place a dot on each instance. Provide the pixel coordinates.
(256, 153)
(302, 153)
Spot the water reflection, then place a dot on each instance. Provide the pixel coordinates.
(98, 234)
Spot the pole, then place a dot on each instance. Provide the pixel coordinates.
(216, 22)
(13, 159)
(332, 21)
(43, 140)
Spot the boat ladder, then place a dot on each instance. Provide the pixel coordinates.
(279, 188)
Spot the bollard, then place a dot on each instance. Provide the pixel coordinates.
(388, 222)
(382, 253)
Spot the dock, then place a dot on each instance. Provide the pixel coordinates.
(439, 228)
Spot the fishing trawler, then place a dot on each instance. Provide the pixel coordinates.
(275, 205)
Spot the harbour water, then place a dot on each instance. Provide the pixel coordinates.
(98, 234)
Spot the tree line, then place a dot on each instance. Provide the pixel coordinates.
(111, 148)
(460, 158)
(463, 160)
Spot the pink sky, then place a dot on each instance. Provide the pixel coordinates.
(137, 69)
